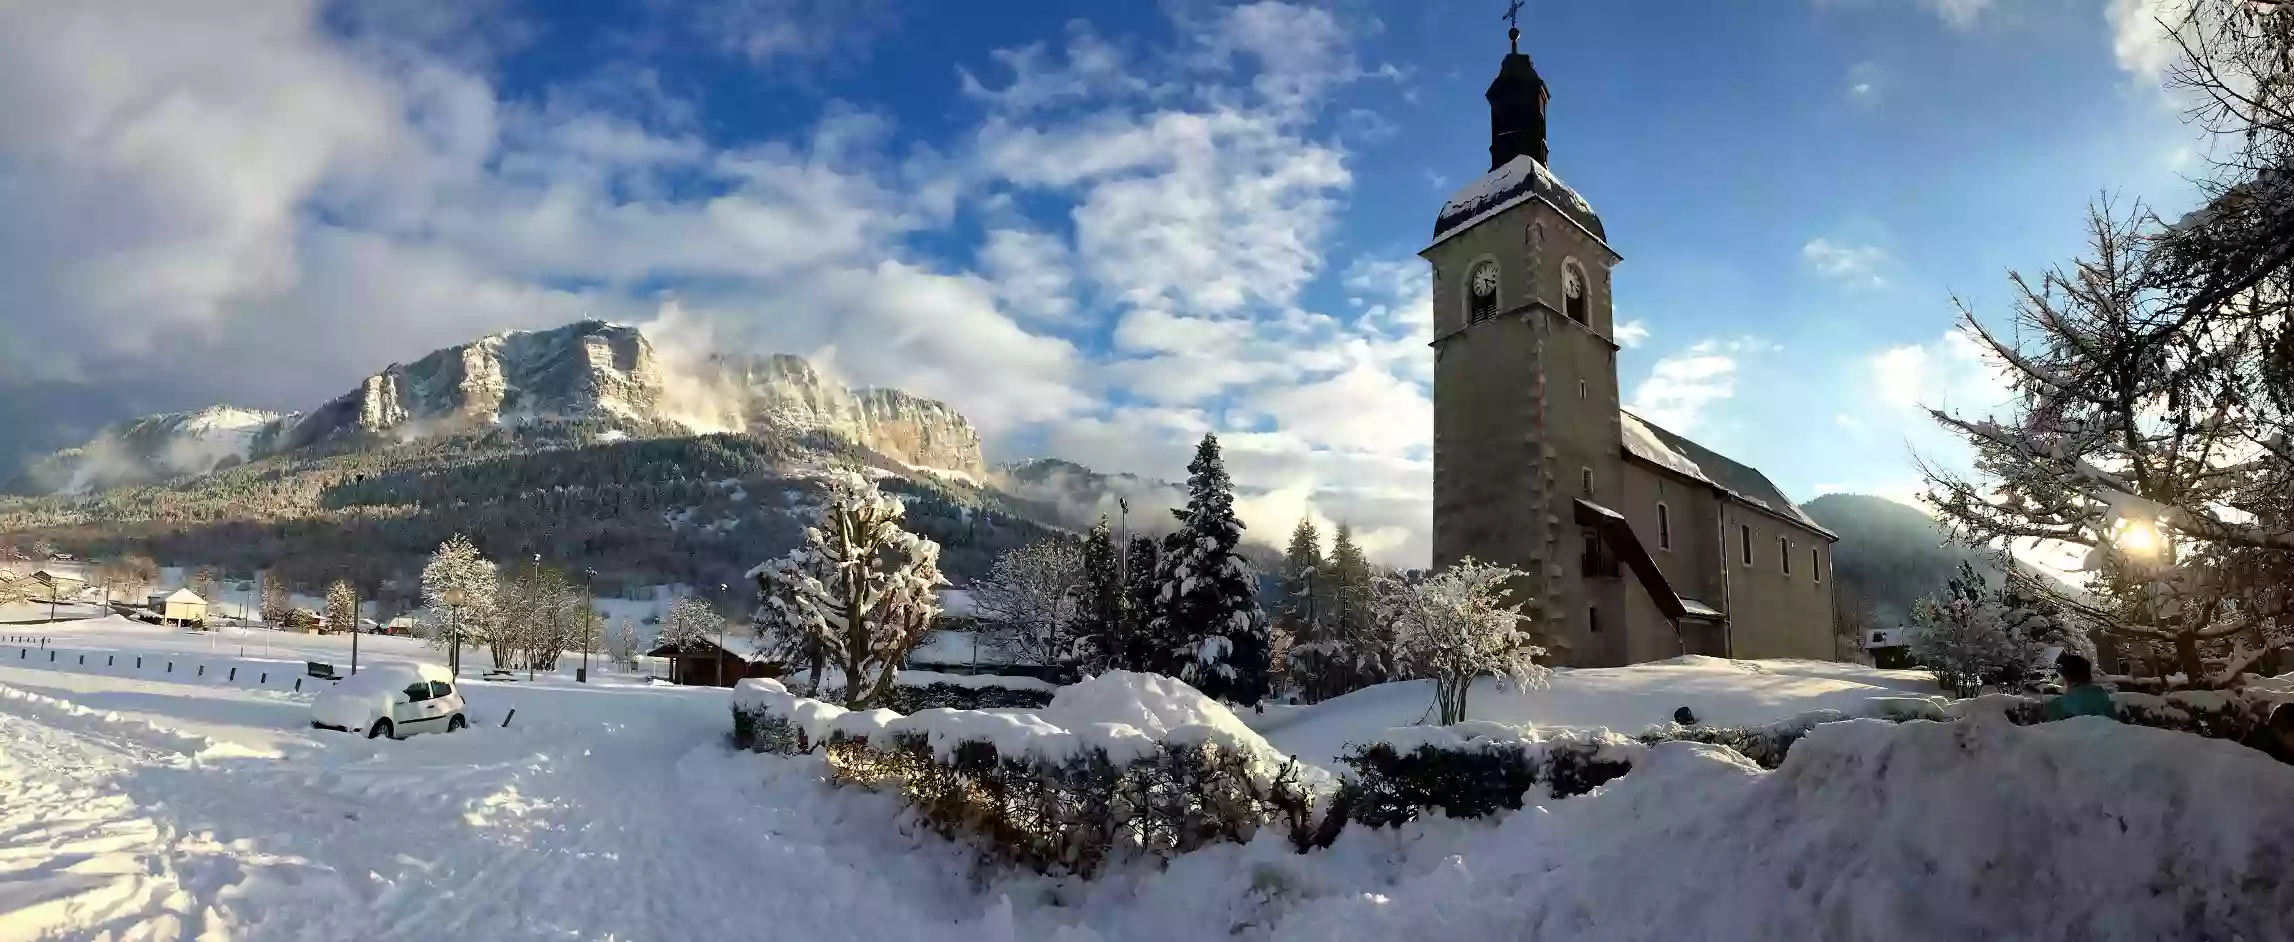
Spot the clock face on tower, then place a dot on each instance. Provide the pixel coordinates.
(1484, 281)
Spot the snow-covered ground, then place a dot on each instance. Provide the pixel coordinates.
(1624, 699)
(133, 807)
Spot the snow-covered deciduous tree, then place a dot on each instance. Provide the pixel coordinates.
(202, 582)
(458, 590)
(2145, 434)
(865, 588)
(1206, 606)
(342, 606)
(691, 624)
(1457, 626)
(276, 604)
(1028, 601)
(626, 645)
(15, 590)
(1962, 635)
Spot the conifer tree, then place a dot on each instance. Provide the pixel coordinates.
(1311, 659)
(1206, 606)
(1135, 647)
(1366, 649)
(342, 606)
(1101, 605)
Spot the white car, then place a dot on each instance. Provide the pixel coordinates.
(394, 700)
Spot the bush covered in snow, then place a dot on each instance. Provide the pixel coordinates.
(1030, 793)
(1766, 744)
(2215, 714)
(916, 698)
(1474, 769)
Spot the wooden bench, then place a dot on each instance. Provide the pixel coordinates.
(321, 670)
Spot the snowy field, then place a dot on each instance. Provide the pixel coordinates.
(141, 808)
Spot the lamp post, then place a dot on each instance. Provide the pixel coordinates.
(588, 621)
(534, 585)
(354, 630)
(454, 598)
(723, 591)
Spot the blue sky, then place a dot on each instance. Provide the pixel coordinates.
(1097, 229)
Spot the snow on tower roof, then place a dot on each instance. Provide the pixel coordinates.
(185, 596)
(1521, 178)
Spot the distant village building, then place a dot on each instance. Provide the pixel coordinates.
(1640, 544)
(182, 607)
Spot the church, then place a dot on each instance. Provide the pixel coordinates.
(1641, 544)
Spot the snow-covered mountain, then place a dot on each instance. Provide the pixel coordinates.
(596, 378)
(165, 445)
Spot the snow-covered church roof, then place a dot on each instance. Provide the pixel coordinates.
(1522, 178)
(1681, 456)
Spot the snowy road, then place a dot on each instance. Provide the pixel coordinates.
(112, 828)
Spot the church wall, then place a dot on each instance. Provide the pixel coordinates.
(1771, 613)
(1691, 563)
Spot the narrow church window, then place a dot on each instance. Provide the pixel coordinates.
(1585, 476)
(1664, 527)
(1481, 292)
(1784, 555)
(1816, 563)
(1593, 619)
(1745, 531)
(1580, 389)
(1573, 292)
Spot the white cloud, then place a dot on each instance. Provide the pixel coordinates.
(1679, 387)
(1958, 14)
(1864, 83)
(771, 31)
(1953, 372)
(1854, 265)
(2140, 36)
(236, 186)
(1632, 333)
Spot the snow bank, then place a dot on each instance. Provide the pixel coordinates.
(2086, 830)
(1151, 702)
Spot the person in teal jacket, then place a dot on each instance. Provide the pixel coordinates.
(2080, 695)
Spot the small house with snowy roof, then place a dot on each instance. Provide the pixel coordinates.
(1641, 544)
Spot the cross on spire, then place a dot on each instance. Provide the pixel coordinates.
(1512, 19)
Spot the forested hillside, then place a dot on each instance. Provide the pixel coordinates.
(1890, 555)
(699, 510)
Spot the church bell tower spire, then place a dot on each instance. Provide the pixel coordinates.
(1517, 102)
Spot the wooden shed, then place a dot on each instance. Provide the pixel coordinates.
(707, 665)
(183, 607)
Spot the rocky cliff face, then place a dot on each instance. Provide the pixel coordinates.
(603, 376)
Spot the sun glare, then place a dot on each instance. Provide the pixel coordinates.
(2138, 537)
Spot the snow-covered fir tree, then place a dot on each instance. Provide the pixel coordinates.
(1458, 626)
(342, 606)
(458, 591)
(1314, 662)
(861, 587)
(1099, 607)
(1028, 602)
(1206, 605)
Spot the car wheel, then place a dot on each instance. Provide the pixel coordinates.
(380, 730)
(457, 723)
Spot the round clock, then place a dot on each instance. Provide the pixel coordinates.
(1484, 283)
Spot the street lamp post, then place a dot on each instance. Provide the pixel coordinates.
(588, 621)
(723, 592)
(454, 598)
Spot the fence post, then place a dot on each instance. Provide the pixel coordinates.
(234, 678)
(51, 655)
(83, 658)
(265, 679)
(202, 671)
(298, 685)
(506, 719)
(139, 662)
(170, 667)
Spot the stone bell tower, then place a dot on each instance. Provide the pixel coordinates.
(1525, 372)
